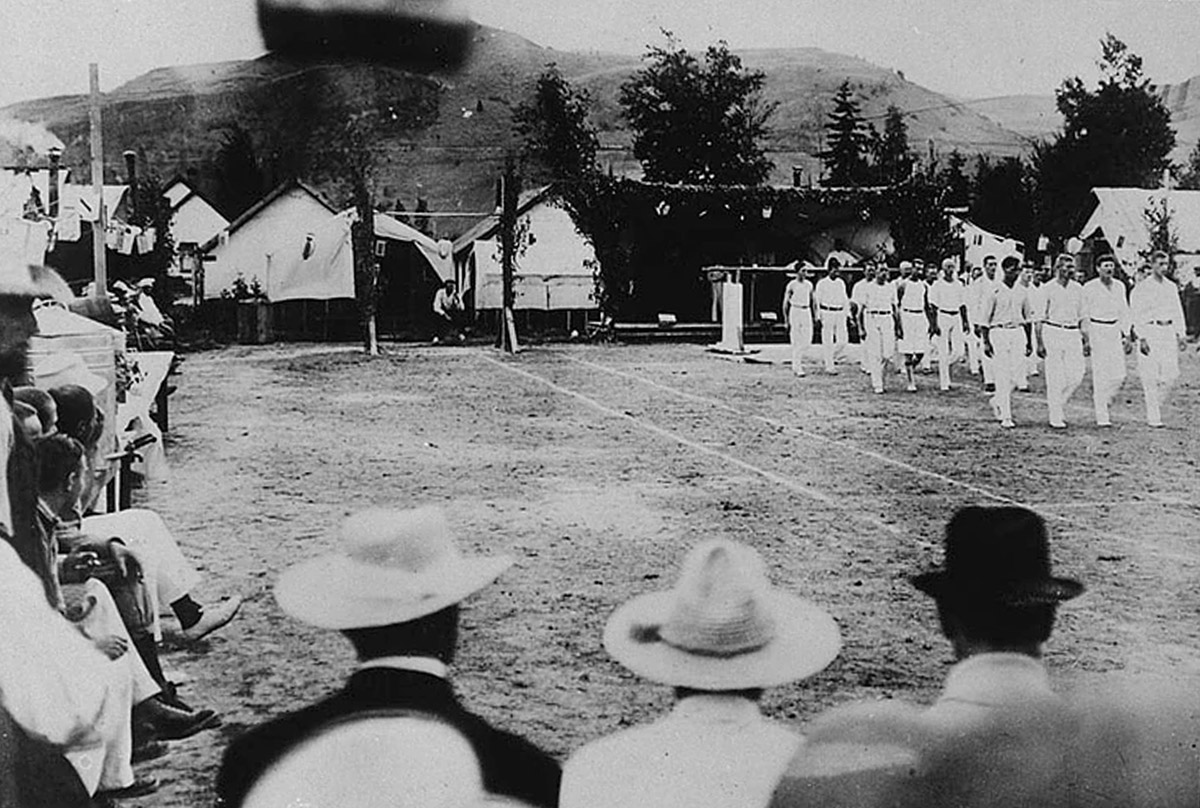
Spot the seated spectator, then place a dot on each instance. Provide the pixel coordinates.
(171, 577)
(392, 590)
(719, 637)
(998, 735)
(448, 311)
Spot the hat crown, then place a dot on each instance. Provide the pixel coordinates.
(720, 604)
(997, 547)
(415, 542)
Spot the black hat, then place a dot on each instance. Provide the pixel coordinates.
(997, 556)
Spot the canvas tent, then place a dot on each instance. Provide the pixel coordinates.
(319, 264)
(1119, 216)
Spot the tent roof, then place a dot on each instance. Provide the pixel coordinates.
(1120, 212)
(258, 206)
(488, 227)
(965, 222)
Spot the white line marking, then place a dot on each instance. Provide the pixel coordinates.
(995, 497)
(779, 479)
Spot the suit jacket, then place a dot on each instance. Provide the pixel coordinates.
(511, 766)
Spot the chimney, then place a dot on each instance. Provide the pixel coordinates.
(52, 200)
(131, 178)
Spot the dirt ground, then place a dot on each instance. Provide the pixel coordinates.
(596, 466)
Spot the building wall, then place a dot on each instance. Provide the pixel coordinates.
(196, 222)
(284, 222)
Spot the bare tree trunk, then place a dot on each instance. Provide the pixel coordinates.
(366, 268)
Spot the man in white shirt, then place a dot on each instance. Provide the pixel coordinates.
(948, 297)
(932, 274)
(1060, 339)
(856, 305)
(991, 281)
(915, 325)
(1106, 307)
(972, 286)
(1005, 315)
(878, 322)
(997, 734)
(833, 307)
(720, 636)
(798, 315)
(1158, 323)
(448, 309)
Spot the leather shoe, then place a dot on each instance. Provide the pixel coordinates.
(167, 723)
(138, 788)
(212, 618)
(148, 750)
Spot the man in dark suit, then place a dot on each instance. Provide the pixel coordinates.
(393, 592)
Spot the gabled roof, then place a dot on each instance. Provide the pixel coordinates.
(488, 227)
(962, 221)
(1119, 213)
(258, 206)
(192, 192)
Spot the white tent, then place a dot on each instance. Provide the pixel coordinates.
(320, 265)
(1120, 216)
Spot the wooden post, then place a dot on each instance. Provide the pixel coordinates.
(510, 191)
(99, 259)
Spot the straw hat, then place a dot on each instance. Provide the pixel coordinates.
(59, 368)
(723, 627)
(28, 280)
(393, 566)
(997, 556)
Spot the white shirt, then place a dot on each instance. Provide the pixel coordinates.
(831, 293)
(1106, 304)
(1006, 307)
(710, 751)
(912, 297)
(1060, 304)
(856, 294)
(947, 296)
(878, 298)
(1157, 301)
(798, 294)
(443, 302)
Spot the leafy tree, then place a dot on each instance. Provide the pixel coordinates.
(698, 122)
(1118, 134)
(555, 128)
(894, 159)
(955, 183)
(240, 180)
(849, 141)
(1003, 198)
(1159, 221)
(1190, 178)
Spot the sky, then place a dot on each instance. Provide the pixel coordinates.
(966, 48)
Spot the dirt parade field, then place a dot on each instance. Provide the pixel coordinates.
(596, 466)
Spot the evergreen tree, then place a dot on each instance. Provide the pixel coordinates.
(846, 157)
(894, 159)
(1190, 178)
(698, 122)
(956, 186)
(240, 181)
(555, 128)
(1003, 198)
(1118, 134)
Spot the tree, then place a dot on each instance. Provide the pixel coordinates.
(955, 183)
(554, 126)
(1118, 134)
(894, 159)
(846, 157)
(1189, 179)
(240, 181)
(1158, 217)
(1003, 198)
(694, 122)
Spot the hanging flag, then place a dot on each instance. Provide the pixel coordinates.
(69, 226)
(112, 237)
(145, 241)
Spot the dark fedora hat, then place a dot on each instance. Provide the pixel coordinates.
(998, 556)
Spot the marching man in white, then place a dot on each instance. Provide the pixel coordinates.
(798, 314)
(1158, 324)
(1061, 341)
(833, 304)
(856, 306)
(1005, 315)
(878, 322)
(1108, 324)
(949, 298)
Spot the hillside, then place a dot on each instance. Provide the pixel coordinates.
(444, 136)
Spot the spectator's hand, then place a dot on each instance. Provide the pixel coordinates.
(1041, 352)
(1029, 350)
(1087, 348)
(78, 566)
(125, 560)
(1143, 346)
(988, 351)
(1127, 344)
(112, 646)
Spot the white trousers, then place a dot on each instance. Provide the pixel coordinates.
(950, 347)
(833, 335)
(1064, 367)
(1159, 370)
(107, 764)
(974, 350)
(170, 576)
(1008, 345)
(800, 333)
(879, 344)
(1108, 366)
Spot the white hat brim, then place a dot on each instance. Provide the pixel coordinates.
(806, 640)
(323, 591)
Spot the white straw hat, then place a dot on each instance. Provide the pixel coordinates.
(29, 280)
(393, 566)
(62, 367)
(723, 627)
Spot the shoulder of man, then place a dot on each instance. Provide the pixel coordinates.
(511, 765)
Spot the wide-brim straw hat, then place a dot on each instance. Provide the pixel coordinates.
(393, 566)
(29, 280)
(722, 627)
(997, 557)
(61, 368)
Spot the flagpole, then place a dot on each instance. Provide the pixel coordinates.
(99, 229)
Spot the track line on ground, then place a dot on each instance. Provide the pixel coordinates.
(871, 453)
(778, 479)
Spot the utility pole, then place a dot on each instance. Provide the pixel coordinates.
(510, 192)
(100, 226)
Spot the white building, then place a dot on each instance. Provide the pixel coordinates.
(1119, 218)
(194, 220)
(282, 220)
(555, 271)
(979, 243)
